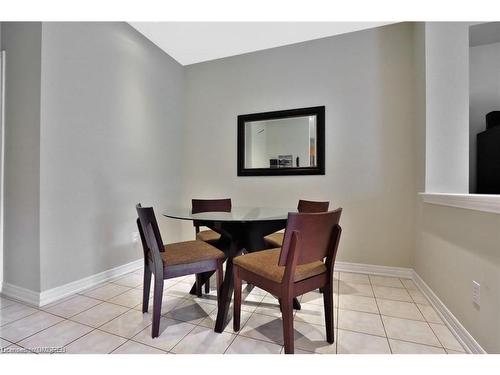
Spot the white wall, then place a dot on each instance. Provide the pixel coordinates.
(22, 41)
(484, 96)
(453, 246)
(447, 108)
(365, 80)
(111, 136)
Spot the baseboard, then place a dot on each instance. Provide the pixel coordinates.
(461, 334)
(374, 269)
(20, 294)
(54, 294)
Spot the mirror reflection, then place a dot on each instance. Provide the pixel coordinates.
(281, 143)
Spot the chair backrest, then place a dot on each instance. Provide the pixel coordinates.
(317, 234)
(210, 205)
(149, 231)
(312, 206)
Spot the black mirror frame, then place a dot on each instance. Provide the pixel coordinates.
(319, 112)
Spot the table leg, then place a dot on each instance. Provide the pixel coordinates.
(204, 278)
(225, 294)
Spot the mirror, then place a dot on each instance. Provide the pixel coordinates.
(287, 142)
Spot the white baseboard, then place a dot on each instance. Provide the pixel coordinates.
(374, 269)
(51, 295)
(54, 294)
(20, 294)
(461, 334)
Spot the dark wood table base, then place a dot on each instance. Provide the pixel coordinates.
(235, 238)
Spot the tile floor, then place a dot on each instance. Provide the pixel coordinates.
(373, 314)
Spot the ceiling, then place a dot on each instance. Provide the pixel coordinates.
(194, 42)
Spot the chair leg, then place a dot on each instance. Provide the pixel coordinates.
(287, 313)
(207, 287)
(237, 300)
(146, 287)
(157, 297)
(328, 304)
(198, 285)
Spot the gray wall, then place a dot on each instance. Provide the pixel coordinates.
(22, 41)
(365, 80)
(111, 137)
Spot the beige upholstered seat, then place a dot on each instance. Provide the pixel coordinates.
(208, 236)
(274, 239)
(265, 264)
(189, 252)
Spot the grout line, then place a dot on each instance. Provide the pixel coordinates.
(380, 315)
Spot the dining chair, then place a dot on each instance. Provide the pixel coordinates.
(298, 267)
(171, 260)
(276, 239)
(209, 236)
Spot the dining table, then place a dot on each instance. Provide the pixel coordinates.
(242, 230)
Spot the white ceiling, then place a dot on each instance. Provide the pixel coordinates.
(193, 42)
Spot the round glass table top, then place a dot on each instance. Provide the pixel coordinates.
(240, 214)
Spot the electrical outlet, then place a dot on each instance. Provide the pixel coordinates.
(135, 237)
(476, 293)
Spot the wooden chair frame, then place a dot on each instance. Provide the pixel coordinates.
(152, 245)
(288, 288)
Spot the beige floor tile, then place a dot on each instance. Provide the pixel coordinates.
(202, 340)
(264, 327)
(128, 324)
(4, 302)
(132, 347)
(409, 284)
(106, 291)
(168, 302)
(315, 314)
(355, 289)
(56, 336)
(96, 342)
(246, 345)
(357, 278)
(100, 314)
(130, 298)
(361, 322)
(269, 309)
(399, 309)
(14, 312)
(316, 297)
(410, 330)
(359, 343)
(130, 280)
(72, 306)
(312, 338)
(393, 282)
(209, 321)
(27, 326)
(171, 332)
(191, 311)
(4, 343)
(429, 313)
(179, 289)
(418, 297)
(358, 303)
(396, 294)
(404, 347)
(445, 336)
